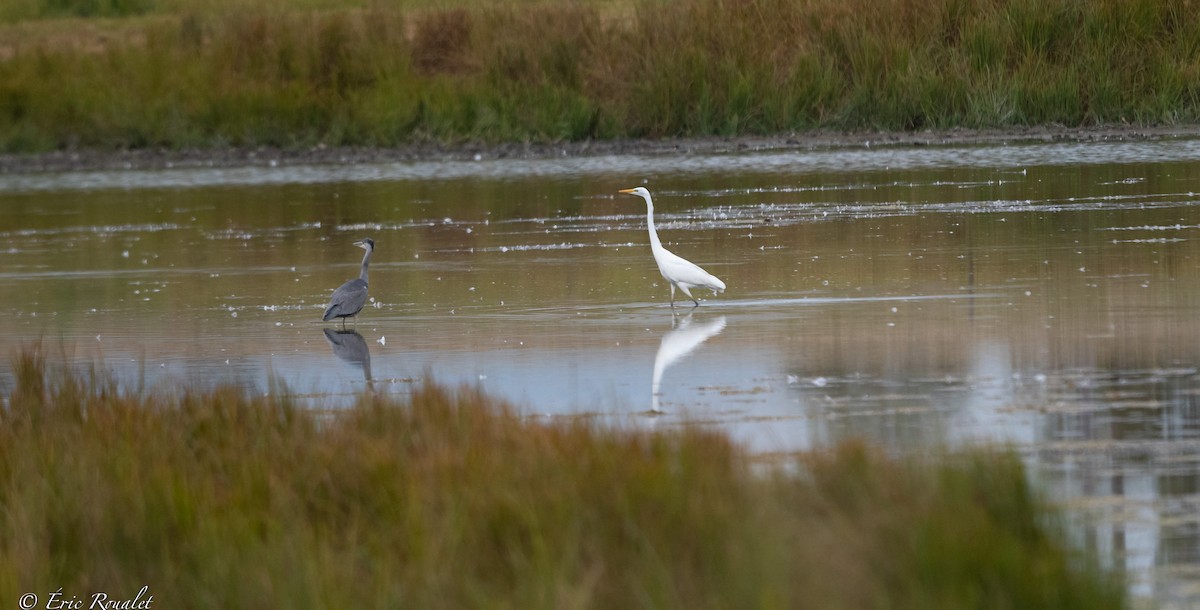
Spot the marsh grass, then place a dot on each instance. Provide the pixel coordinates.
(453, 500)
(293, 73)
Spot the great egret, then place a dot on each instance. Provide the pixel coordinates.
(350, 297)
(678, 271)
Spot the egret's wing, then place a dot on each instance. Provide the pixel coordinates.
(682, 271)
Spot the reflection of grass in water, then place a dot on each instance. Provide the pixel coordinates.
(219, 499)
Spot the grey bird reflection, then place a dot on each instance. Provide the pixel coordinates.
(685, 335)
(351, 347)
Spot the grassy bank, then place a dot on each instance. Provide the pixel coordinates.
(292, 73)
(216, 499)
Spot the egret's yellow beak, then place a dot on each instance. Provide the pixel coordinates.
(625, 191)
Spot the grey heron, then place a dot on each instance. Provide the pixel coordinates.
(350, 297)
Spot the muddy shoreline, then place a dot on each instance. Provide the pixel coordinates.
(142, 159)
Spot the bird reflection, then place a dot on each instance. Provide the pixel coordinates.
(351, 347)
(684, 336)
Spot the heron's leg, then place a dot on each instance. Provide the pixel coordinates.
(343, 322)
(672, 295)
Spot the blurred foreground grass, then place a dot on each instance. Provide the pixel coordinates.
(298, 73)
(452, 500)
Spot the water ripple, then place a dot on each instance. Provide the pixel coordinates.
(1015, 157)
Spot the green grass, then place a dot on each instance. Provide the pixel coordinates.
(453, 500)
(293, 73)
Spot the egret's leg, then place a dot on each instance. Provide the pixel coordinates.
(672, 296)
(689, 295)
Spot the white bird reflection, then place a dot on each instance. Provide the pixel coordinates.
(678, 342)
(351, 347)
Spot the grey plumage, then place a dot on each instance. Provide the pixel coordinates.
(350, 297)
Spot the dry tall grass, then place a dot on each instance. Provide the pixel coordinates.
(379, 74)
(218, 499)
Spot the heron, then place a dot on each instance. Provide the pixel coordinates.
(350, 297)
(679, 272)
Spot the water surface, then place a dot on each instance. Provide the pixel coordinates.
(1042, 295)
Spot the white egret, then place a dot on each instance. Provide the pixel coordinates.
(679, 272)
(350, 297)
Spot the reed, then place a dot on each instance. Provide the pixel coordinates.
(293, 73)
(451, 499)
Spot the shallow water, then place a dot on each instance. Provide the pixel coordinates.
(1042, 295)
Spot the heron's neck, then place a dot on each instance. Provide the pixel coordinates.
(366, 260)
(654, 241)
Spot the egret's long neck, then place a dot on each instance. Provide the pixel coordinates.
(366, 260)
(654, 241)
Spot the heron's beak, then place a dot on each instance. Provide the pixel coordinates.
(627, 191)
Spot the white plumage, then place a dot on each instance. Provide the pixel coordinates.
(679, 272)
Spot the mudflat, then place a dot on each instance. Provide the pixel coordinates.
(158, 158)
